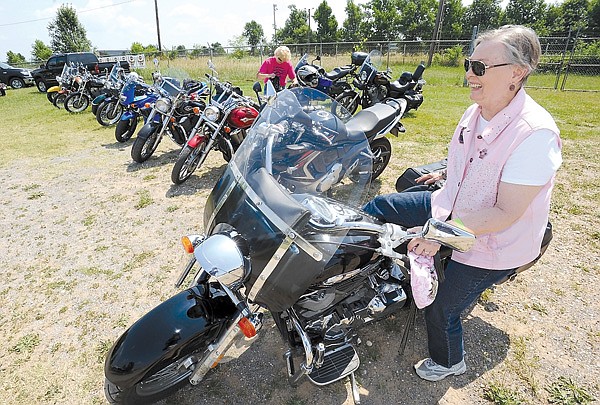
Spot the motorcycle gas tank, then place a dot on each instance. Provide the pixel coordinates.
(242, 117)
(355, 252)
(381, 79)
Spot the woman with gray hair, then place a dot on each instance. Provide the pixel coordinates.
(502, 161)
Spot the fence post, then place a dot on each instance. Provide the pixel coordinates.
(562, 86)
(562, 60)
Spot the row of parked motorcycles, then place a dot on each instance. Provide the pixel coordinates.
(215, 115)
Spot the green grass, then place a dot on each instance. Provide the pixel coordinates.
(565, 391)
(501, 395)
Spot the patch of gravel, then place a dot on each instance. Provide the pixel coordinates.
(90, 242)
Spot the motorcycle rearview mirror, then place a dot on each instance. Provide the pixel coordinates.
(212, 67)
(257, 88)
(447, 234)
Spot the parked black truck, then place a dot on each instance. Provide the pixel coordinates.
(45, 76)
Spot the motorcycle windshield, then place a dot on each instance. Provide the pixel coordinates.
(371, 65)
(298, 167)
(303, 61)
(113, 76)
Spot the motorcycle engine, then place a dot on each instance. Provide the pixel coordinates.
(337, 306)
(377, 93)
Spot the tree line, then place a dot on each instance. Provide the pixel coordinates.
(390, 20)
(376, 20)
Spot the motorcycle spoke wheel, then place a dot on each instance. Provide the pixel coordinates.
(187, 163)
(76, 103)
(59, 100)
(349, 102)
(51, 96)
(382, 152)
(152, 388)
(109, 113)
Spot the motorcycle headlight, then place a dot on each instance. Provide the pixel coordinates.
(220, 257)
(122, 98)
(211, 113)
(163, 105)
(363, 76)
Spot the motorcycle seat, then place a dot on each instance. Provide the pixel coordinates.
(338, 72)
(396, 87)
(372, 120)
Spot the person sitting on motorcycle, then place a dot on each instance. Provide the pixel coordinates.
(502, 161)
(278, 66)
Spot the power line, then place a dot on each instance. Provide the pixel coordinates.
(79, 12)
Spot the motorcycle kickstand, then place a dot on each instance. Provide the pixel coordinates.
(354, 387)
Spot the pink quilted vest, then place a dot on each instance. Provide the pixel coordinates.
(475, 164)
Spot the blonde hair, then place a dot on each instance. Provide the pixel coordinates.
(521, 43)
(283, 53)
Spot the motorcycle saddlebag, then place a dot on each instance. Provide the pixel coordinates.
(413, 101)
(407, 179)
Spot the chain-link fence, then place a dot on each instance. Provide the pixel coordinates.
(567, 63)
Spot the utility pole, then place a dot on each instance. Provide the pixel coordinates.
(274, 23)
(436, 30)
(157, 25)
(308, 33)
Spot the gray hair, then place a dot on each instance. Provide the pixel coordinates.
(522, 45)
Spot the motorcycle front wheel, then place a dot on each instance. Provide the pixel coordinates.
(109, 113)
(125, 129)
(187, 162)
(146, 142)
(382, 151)
(154, 387)
(59, 100)
(51, 96)
(76, 102)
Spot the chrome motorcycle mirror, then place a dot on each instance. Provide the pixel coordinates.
(447, 234)
(212, 67)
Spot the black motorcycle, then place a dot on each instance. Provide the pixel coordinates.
(174, 113)
(375, 85)
(282, 234)
(332, 83)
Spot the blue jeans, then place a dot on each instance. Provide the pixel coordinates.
(462, 285)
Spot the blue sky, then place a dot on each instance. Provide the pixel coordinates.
(116, 24)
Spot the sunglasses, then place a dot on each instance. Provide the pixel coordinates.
(479, 67)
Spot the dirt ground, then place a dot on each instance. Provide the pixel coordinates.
(90, 242)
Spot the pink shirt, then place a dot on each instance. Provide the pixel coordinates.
(475, 164)
(282, 70)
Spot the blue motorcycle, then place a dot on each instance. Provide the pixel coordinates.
(136, 98)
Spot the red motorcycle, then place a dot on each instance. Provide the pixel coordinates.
(222, 126)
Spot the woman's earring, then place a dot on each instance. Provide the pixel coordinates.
(511, 87)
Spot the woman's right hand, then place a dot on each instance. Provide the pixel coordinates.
(430, 178)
